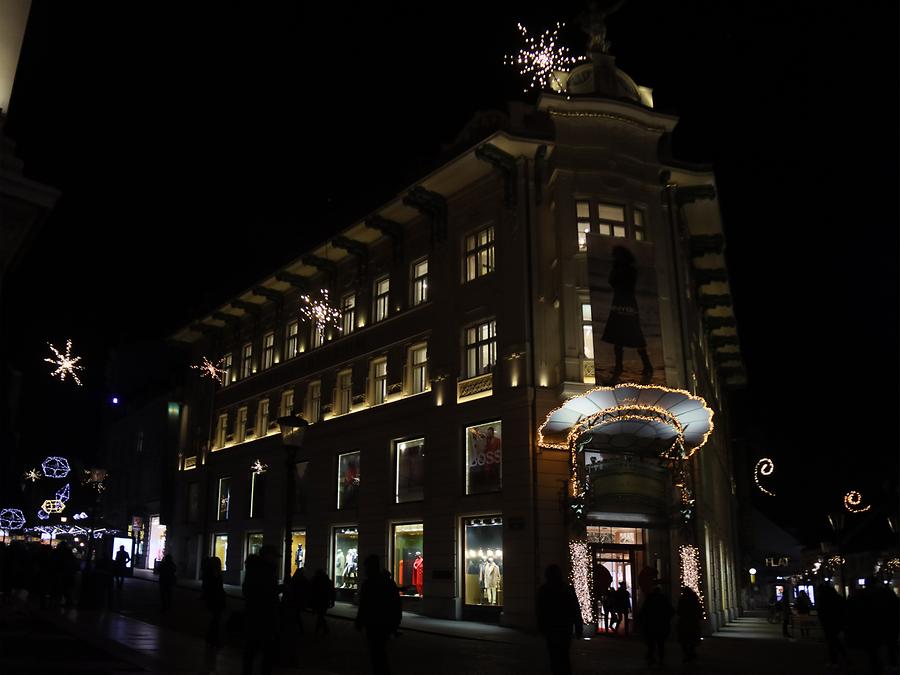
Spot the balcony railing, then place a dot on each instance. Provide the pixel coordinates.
(478, 386)
(587, 371)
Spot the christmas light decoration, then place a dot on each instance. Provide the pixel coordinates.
(582, 578)
(321, 312)
(764, 467)
(33, 475)
(892, 566)
(65, 364)
(53, 506)
(540, 58)
(93, 478)
(55, 467)
(836, 561)
(213, 371)
(63, 494)
(80, 516)
(12, 519)
(42, 515)
(258, 467)
(852, 502)
(690, 572)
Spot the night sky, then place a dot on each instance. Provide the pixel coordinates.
(199, 147)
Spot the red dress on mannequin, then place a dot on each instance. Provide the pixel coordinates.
(418, 574)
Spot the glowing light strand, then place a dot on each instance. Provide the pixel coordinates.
(53, 506)
(581, 576)
(852, 502)
(55, 467)
(764, 467)
(63, 493)
(690, 571)
(12, 519)
(33, 475)
(65, 364)
(258, 467)
(539, 58)
(213, 371)
(320, 312)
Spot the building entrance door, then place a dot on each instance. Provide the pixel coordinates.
(617, 555)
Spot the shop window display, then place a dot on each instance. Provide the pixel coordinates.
(484, 561)
(254, 543)
(483, 458)
(410, 470)
(409, 559)
(298, 549)
(346, 557)
(220, 549)
(348, 480)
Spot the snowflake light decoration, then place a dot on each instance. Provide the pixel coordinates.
(12, 519)
(213, 371)
(853, 502)
(65, 364)
(763, 467)
(63, 494)
(55, 467)
(320, 312)
(539, 58)
(258, 467)
(33, 475)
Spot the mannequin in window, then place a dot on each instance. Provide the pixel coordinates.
(350, 572)
(339, 568)
(491, 581)
(418, 572)
(298, 557)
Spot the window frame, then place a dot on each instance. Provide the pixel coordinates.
(587, 326)
(315, 415)
(381, 302)
(262, 429)
(414, 368)
(292, 341)
(348, 313)
(478, 345)
(419, 288)
(221, 431)
(396, 467)
(227, 509)
(285, 407)
(339, 497)
(343, 405)
(240, 427)
(268, 352)
(379, 382)
(472, 255)
(246, 360)
(228, 375)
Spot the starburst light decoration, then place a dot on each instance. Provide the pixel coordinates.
(12, 519)
(320, 312)
(853, 502)
(66, 364)
(538, 59)
(33, 475)
(55, 467)
(213, 371)
(764, 467)
(258, 467)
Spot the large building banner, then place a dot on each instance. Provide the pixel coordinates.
(625, 311)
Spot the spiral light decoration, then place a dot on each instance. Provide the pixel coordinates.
(764, 467)
(853, 502)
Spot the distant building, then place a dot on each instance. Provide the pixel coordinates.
(468, 308)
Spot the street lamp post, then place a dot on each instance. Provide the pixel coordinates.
(836, 521)
(292, 430)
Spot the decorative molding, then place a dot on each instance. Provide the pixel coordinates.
(474, 385)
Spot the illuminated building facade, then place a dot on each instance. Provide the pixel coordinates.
(562, 251)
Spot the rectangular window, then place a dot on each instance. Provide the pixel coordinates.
(420, 282)
(418, 358)
(317, 334)
(287, 402)
(409, 561)
(293, 340)
(228, 375)
(348, 480)
(382, 293)
(193, 502)
(254, 543)
(301, 474)
(483, 458)
(262, 418)
(240, 430)
(640, 233)
(268, 351)
(221, 430)
(344, 392)
(224, 498)
(345, 547)
(480, 253)
(481, 348)
(484, 561)
(348, 313)
(611, 220)
(314, 401)
(298, 550)
(587, 331)
(583, 220)
(379, 381)
(247, 361)
(220, 549)
(409, 485)
(257, 494)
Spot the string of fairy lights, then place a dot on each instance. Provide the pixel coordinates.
(764, 467)
(690, 571)
(540, 58)
(582, 578)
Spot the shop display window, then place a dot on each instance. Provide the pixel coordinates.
(409, 559)
(346, 557)
(224, 498)
(348, 480)
(483, 458)
(220, 549)
(254, 543)
(614, 535)
(410, 458)
(301, 486)
(298, 550)
(483, 543)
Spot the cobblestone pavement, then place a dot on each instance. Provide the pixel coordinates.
(136, 637)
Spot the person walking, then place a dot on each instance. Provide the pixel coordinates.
(122, 560)
(786, 615)
(166, 581)
(655, 619)
(379, 613)
(690, 617)
(213, 592)
(299, 595)
(623, 602)
(260, 590)
(559, 618)
(321, 598)
(830, 607)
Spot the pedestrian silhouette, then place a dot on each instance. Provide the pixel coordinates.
(786, 614)
(166, 581)
(623, 327)
(831, 609)
(321, 598)
(690, 617)
(261, 610)
(299, 592)
(655, 619)
(122, 559)
(213, 592)
(379, 612)
(622, 604)
(559, 618)
(875, 612)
